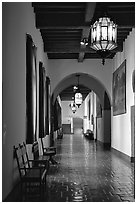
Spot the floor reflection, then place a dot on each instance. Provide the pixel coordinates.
(88, 173)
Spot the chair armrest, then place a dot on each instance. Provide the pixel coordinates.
(32, 168)
(50, 149)
(35, 172)
(40, 163)
(41, 169)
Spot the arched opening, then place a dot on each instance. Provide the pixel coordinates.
(98, 88)
(77, 125)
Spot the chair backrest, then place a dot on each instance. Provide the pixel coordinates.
(20, 162)
(35, 150)
(42, 144)
(25, 157)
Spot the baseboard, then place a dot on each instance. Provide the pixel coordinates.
(123, 155)
(106, 146)
(116, 152)
(132, 159)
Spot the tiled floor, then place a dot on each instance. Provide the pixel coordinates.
(87, 172)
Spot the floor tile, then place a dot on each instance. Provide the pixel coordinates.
(88, 173)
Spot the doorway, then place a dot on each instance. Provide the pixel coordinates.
(77, 125)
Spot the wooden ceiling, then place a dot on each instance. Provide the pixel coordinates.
(68, 93)
(64, 24)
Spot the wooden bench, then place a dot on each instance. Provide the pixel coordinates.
(50, 152)
(33, 179)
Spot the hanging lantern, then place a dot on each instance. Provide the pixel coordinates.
(73, 107)
(104, 36)
(78, 96)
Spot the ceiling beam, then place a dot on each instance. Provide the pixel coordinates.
(67, 31)
(63, 27)
(62, 34)
(39, 11)
(75, 49)
(122, 5)
(90, 8)
(79, 27)
(58, 5)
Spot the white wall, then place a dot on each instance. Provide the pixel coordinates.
(100, 130)
(95, 115)
(68, 116)
(67, 113)
(121, 127)
(93, 67)
(88, 121)
(18, 19)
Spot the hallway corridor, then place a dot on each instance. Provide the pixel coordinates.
(87, 172)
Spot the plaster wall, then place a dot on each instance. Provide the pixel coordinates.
(121, 124)
(68, 115)
(61, 68)
(100, 130)
(95, 115)
(88, 120)
(17, 20)
(107, 125)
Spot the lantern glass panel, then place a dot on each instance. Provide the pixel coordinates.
(110, 32)
(110, 45)
(93, 33)
(104, 45)
(98, 32)
(114, 34)
(104, 33)
(78, 98)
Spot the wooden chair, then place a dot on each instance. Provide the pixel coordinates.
(49, 151)
(41, 160)
(32, 178)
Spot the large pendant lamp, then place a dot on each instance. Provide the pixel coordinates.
(78, 96)
(104, 36)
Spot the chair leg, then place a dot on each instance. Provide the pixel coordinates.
(21, 191)
(42, 184)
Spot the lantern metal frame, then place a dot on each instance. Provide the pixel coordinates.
(103, 36)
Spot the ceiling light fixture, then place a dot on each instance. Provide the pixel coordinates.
(78, 96)
(84, 41)
(73, 107)
(75, 88)
(104, 36)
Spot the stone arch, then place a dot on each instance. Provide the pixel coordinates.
(85, 80)
(95, 85)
